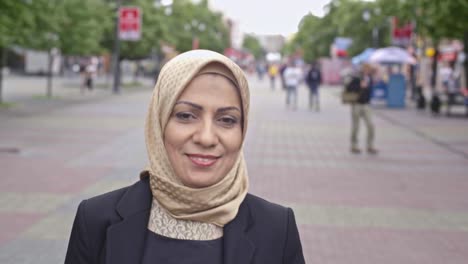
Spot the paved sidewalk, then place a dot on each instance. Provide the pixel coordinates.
(28, 94)
(409, 204)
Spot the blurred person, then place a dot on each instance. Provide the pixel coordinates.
(281, 74)
(191, 204)
(451, 86)
(89, 72)
(464, 92)
(82, 70)
(420, 97)
(272, 73)
(435, 103)
(260, 70)
(361, 110)
(313, 80)
(445, 73)
(292, 77)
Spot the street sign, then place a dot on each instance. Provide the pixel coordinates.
(129, 23)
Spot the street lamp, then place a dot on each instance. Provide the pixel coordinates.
(116, 53)
(193, 26)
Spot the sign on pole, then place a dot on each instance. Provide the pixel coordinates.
(129, 23)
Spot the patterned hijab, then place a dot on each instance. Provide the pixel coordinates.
(217, 204)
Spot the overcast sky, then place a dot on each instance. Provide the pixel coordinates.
(269, 16)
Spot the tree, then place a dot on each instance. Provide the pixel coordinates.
(176, 25)
(312, 38)
(252, 44)
(14, 18)
(344, 18)
(438, 19)
(84, 24)
(189, 21)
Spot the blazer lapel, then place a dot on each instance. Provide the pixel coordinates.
(126, 239)
(238, 248)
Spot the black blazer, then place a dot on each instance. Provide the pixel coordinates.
(111, 228)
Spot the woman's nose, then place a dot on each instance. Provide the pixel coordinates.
(206, 134)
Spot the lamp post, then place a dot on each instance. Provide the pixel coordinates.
(116, 53)
(366, 16)
(194, 26)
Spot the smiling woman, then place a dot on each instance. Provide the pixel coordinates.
(191, 204)
(203, 136)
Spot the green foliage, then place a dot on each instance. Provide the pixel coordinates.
(177, 28)
(344, 19)
(313, 38)
(14, 17)
(85, 27)
(44, 24)
(435, 19)
(252, 44)
(72, 26)
(189, 20)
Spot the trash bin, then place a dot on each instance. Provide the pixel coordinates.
(396, 91)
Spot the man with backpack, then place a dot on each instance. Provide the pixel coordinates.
(358, 94)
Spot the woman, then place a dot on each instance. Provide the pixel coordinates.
(191, 204)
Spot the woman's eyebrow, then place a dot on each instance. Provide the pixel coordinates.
(229, 108)
(199, 107)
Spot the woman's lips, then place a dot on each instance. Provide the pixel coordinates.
(202, 160)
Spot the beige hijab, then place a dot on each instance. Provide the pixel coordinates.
(217, 204)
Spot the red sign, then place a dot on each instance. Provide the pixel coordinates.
(401, 36)
(129, 23)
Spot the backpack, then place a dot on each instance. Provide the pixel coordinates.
(352, 86)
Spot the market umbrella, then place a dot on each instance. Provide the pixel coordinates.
(392, 55)
(363, 56)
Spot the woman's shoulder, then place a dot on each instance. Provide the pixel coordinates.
(103, 207)
(254, 200)
(263, 209)
(108, 199)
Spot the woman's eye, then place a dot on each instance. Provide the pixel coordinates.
(184, 116)
(229, 121)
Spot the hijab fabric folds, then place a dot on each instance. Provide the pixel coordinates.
(217, 204)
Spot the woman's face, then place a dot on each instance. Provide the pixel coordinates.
(203, 136)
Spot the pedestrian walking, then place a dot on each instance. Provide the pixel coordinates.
(361, 110)
(281, 75)
(293, 75)
(313, 80)
(272, 73)
(89, 72)
(260, 67)
(191, 204)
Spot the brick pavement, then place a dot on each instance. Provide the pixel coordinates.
(409, 204)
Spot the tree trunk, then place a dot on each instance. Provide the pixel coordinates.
(49, 75)
(2, 64)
